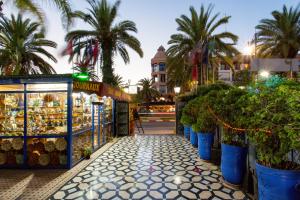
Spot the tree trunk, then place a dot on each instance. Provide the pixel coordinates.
(107, 70)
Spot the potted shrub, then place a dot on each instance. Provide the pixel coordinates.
(227, 107)
(87, 152)
(190, 111)
(189, 117)
(274, 123)
(186, 121)
(205, 129)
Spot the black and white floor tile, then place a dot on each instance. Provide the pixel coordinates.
(149, 167)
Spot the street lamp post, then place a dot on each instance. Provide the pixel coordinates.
(177, 91)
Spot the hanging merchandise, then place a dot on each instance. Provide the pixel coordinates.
(88, 53)
(69, 49)
(95, 52)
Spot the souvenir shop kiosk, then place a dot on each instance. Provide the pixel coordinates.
(49, 121)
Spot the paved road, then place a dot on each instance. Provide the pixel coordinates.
(149, 167)
(158, 127)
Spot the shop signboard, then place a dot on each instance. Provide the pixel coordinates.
(87, 86)
(101, 89)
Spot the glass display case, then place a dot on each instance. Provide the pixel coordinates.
(11, 114)
(47, 114)
(81, 114)
(49, 121)
(107, 118)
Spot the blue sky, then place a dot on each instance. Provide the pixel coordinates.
(155, 20)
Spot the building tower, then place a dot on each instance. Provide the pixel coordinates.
(158, 71)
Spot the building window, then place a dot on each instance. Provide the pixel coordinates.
(163, 78)
(155, 68)
(155, 79)
(162, 89)
(162, 67)
(237, 66)
(224, 67)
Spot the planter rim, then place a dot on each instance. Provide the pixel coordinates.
(203, 133)
(246, 147)
(279, 170)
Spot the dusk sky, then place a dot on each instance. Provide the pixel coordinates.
(155, 20)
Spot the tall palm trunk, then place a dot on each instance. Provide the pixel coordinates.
(107, 70)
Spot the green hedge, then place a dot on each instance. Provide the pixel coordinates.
(267, 112)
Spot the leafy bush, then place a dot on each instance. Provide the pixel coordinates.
(205, 122)
(189, 113)
(227, 106)
(203, 90)
(242, 78)
(196, 114)
(273, 116)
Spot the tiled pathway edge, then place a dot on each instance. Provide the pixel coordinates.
(149, 167)
(40, 184)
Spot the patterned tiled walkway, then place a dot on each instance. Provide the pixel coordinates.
(148, 167)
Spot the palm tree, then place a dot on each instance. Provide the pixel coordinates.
(179, 73)
(22, 47)
(147, 93)
(110, 37)
(34, 7)
(197, 34)
(280, 36)
(117, 81)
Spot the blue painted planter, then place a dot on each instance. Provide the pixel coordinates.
(205, 142)
(233, 163)
(193, 138)
(277, 184)
(186, 131)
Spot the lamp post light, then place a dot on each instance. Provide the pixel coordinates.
(177, 90)
(264, 74)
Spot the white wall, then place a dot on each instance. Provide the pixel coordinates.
(275, 65)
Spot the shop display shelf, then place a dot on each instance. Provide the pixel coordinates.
(46, 136)
(79, 132)
(7, 136)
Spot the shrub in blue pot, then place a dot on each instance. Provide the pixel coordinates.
(205, 128)
(186, 131)
(189, 116)
(191, 109)
(273, 123)
(186, 121)
(227, 107)
(193, 138)
(205, 142)
(234, 156)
